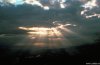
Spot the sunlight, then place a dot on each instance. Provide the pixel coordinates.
(51, 37)
(43, 31)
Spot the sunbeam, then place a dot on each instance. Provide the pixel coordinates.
(50, 37)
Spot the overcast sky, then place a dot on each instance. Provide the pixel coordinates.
(83, 14)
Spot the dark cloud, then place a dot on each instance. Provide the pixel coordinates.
(12, 17)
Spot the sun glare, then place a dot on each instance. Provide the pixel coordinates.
(43, 31)
(48, 36)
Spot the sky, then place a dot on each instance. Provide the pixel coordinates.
(76, 22)
(37, 2)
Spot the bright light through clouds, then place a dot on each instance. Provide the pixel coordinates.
(42, 34)
(53, 35)
(43, 31)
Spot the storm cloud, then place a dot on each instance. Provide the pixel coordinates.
(85, 30)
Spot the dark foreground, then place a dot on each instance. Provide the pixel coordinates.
(86, 54)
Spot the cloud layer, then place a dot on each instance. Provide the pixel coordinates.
(45, 4)
(79, 17)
